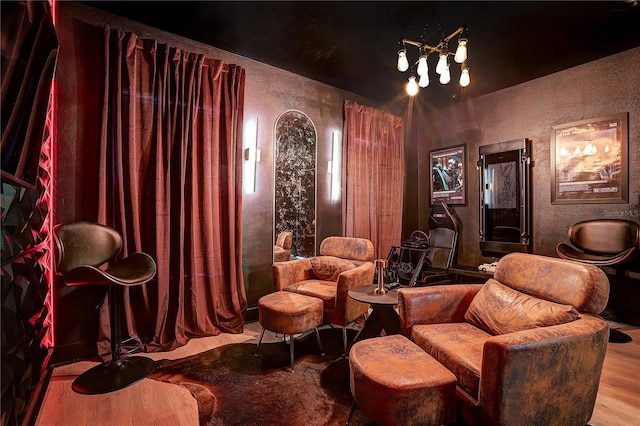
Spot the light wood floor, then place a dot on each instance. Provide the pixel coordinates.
(150, 402)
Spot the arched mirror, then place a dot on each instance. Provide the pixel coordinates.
(295, 181)
(505, 197)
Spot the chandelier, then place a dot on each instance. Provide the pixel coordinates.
(421, 67)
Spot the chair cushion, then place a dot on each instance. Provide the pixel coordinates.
(357, 250)
(329, 267)
(457, 346)
(325, 290)
(586, 287)
(498, 309)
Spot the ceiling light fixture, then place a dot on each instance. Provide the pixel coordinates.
(442, 50)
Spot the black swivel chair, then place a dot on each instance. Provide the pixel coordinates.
(438, 249)
(82, 247)
(606, 243)
(444, 228)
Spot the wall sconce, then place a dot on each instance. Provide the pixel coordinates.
(251, 154)
(335, 164)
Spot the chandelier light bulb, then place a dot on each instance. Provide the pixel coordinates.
(442, 63)
(423, 68)
(403, 63)
(424, 80)
(464, 77)
(412, 86)
(461, 51)
(445, 77)
(419, 69)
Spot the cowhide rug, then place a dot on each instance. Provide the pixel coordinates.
(233, 386)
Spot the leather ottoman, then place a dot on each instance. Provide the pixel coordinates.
(395, 382)
(289, 313)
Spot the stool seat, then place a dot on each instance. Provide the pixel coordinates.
(395, 382)
(289, 313)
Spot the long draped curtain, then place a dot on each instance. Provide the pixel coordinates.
(373, 176)
(170, 180)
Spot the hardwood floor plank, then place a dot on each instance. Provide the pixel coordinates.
(618, 401)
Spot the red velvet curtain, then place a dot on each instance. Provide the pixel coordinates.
(170, 181)
(373, 176)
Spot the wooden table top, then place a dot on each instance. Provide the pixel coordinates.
(366, 294)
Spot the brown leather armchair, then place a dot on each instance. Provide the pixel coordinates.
(526, 347)
(282, 247)
(344, 263)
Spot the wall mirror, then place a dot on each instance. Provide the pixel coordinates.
(505, 197)
(295, 181)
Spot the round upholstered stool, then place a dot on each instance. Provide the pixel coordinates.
(395, 382)
(289, 313)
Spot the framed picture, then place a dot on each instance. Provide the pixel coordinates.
(589, 161)
(448, 180)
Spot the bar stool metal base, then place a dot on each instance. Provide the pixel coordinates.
(113, 375)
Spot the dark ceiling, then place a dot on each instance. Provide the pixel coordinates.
(353, 45)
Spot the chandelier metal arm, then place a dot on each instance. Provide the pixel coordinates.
(437, 48)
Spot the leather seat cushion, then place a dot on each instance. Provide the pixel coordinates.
(357, 250)
(457, 346)
(498, 309)
(556, 280)
(329, 267)
(324, 290)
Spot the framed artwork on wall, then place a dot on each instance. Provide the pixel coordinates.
(448, 180)
(589, 161)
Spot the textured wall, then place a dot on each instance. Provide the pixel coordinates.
(607, 86)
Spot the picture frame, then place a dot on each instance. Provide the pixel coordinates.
(589, 161)
(448, 180)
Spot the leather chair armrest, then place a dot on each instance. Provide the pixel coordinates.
(433, 305)
(346, 309)
(356, 277)
(287, 273)
(543, 373)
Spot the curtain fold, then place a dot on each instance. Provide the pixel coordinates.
(373, 176)
(170, 180)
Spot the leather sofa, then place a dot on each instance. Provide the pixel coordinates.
(344, 263)
(526, 347)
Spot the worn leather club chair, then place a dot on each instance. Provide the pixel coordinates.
(82, 249)
(603, 242)
(282, 247)
(344, 263)
(527, 347)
